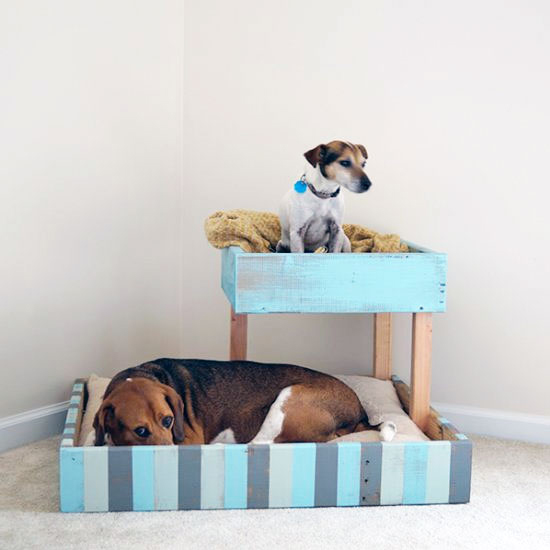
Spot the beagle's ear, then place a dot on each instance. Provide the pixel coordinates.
(176, 404)
(105, 413)
(363, 150)
(316, 155)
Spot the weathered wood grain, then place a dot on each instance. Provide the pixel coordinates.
(382, 346)
(334, 283)
(421, 369)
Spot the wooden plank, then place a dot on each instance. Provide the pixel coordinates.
(303, 475)
(393, 460)
(189, 474)
(421, 369)
(96, 479)
(212, 476)
(258, 476)
(439, 467)
(280, 475)
(238, 336)
(120, 479)
(349, 473)
(326, 474)
(461, 472)
(71, 479)
(236, 476)
(371, 473)
(166, 477)
(382, 346)
(415, 472)
(143, 478)
(335, 283)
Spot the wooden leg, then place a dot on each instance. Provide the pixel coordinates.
(238, 337)
(382, 346)
(421, 369)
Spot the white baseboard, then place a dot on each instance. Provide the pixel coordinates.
(30, 426)
(37, 424)
(507, 425)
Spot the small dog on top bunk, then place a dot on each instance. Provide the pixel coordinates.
(311, 212)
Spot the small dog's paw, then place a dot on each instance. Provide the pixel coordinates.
(321, 250)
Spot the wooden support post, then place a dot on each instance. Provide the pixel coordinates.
(421, 369)
(238, 336)
(382, 346)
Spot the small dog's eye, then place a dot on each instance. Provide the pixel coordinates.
(345, 163)
(167, 421)
(142, 431)
(363, 164)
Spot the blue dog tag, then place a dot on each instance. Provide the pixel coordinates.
(300, 187)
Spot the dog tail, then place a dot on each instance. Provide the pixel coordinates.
(387, 428)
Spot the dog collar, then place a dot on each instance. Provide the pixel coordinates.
(322, 195)
(301, 185)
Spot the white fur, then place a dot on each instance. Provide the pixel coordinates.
(273, 422)
(387, 430)
(226, 436)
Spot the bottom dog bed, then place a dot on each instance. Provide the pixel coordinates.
(357, 469)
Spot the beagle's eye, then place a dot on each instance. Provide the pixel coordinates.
(363, 164)
(167, 421)
(142, 431)
(345, 163)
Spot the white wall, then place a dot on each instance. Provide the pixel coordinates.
(90, 189)
(451, 101)
(104, 260)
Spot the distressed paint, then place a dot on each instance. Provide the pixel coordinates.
(349, 474)
(258, 476)
(326, 475)
(189, 475)
(120, 478)
(414, 473)
(71, 480)
(371, 474)
(391, 486)
(461, 472)
(438, 472)
(143, 477)
(166, 477)
(334, 283)
(212, 476)
(96, 479)
(303, 475)
(280, 475)
(236, 470)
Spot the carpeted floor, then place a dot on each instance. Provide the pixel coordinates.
(510, 509)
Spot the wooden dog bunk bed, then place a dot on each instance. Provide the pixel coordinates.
(183, 477)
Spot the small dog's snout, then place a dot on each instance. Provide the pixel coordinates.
(365, 184)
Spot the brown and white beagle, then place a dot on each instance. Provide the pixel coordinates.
(193, 401)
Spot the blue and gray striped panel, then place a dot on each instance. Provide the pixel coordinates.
(95, 479)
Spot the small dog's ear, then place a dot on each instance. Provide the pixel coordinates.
(176, 404)
(363, 150)
(315, 156)
(105, 412)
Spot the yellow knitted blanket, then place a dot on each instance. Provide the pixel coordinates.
(260, 232)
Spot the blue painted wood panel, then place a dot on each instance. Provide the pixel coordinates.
(143, 477)
(334, 283)
(96, 479)
(349, 474)
(236, 476)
